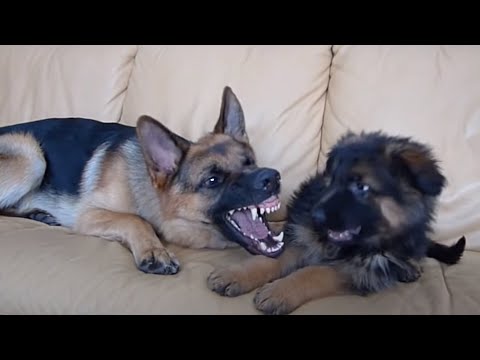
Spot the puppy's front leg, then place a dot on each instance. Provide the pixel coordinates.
(135, 233)
(254, 272)
(287, 294)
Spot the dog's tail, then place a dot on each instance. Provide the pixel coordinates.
(447, 254)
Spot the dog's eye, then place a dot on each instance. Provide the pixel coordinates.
(213, 181)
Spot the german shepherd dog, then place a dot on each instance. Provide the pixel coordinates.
(358, 228)
(137, 185)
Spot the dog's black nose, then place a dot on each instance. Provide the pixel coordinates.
(318, 216)
(267, 179)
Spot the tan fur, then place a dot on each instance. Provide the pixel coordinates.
(254, 272)
(130, 230)
(112, 191)
(392, 212)
(201, 157)
(22, 167)
(309, 283)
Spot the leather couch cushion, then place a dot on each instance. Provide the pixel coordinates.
(41, 81)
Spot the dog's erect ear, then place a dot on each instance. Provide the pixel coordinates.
(231, 120)
(420, 165)
(163, 150)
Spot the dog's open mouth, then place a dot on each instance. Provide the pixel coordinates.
(343, 236)
(250, 224)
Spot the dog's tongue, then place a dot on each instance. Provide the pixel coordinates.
(249, 226)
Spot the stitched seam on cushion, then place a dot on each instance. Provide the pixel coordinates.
(325, 107)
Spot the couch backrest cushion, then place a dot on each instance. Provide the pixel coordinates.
(39, 81)
(281, 88)
(431, 93)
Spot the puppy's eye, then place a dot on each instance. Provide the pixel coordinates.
(213, 181)
(359, 188)
(362, 187)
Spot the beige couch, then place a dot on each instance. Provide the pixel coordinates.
(297, 101)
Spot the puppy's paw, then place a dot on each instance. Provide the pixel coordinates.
(273, 299)
(228, 282)
(410, 274)
(158, 261)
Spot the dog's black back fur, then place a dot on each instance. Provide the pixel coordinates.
(77, 137)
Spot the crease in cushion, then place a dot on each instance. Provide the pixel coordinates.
(42, 81)
(281, 88)
(431, 93)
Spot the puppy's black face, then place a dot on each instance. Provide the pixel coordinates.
(345, 212)
(375, 188)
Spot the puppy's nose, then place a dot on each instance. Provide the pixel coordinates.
(267, 179)
(318, 216)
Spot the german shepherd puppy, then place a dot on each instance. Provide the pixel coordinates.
(360, 227)
(137, 185)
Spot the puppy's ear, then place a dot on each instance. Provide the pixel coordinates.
(231, 120)
(162, 149)
(419, 164)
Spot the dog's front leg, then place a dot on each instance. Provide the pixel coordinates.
(256, 271)
(287, 294)
(135, 233)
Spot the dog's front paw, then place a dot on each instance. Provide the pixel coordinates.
(228, 282)
(158, 261)
(273, 299)
(43, 217)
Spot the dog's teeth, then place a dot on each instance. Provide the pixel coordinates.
(263, 246)
(278, 238)
(245, 208)
(267, 210)
(262, 211)
(231, 212)
(277, 247)
(254, 213)
(234, 224)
